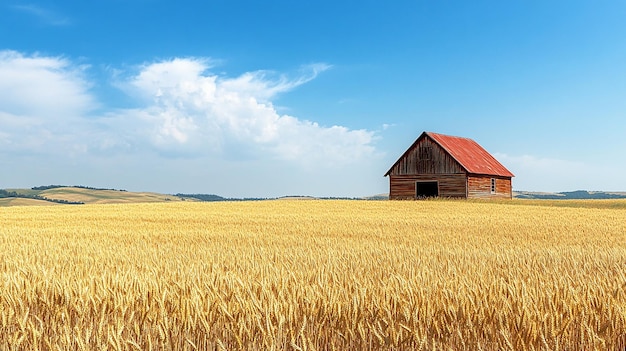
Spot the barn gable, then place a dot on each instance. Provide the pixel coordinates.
(426, 156)
(449, 166)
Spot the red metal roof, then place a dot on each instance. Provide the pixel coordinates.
(470, 155)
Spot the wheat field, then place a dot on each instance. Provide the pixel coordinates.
(314, 275)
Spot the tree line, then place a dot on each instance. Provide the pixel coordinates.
(47, 187)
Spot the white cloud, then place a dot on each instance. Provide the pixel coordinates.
(43, 102)
(190, 111)
(262, 85)
(42, 87)
(46, 107)
(190, 130)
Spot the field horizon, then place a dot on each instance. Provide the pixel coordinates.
(58, 194)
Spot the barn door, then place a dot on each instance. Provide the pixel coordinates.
(426, 189)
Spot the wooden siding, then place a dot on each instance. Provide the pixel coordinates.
(479, 187)
(440, 161)
(402, 187)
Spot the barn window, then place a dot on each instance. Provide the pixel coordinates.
(493, 185)
(426, 153)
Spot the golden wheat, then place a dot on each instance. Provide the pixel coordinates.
(313, 275)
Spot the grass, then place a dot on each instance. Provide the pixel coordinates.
(314, 275)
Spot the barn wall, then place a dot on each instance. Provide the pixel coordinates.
(440, 162)
(479, 187)
(402, 187)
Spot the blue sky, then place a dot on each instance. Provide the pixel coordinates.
(247, 98)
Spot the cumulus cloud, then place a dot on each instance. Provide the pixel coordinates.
(191, 111)
(43, 101)
(43, 87)
(182, 110)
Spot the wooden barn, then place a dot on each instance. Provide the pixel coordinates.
(448, 166)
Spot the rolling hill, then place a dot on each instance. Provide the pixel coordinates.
(74, 195)
(55, 195)
(570, 195)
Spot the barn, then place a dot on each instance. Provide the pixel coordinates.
(438, 165)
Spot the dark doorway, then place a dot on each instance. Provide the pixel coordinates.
(426, 189)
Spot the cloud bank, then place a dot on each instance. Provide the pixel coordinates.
(189, 111)
(46, 106)
(181, 111)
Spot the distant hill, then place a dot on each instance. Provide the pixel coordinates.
(377, 197)
(77, 195)
(566, 195)
(213, 197)
(31, 195)
(203, 197)
(18, 201)
(569, 195)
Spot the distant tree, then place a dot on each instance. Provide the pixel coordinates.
(203, 197)
(47, 187)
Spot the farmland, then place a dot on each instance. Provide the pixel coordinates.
(50, 195)
(315, 275)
